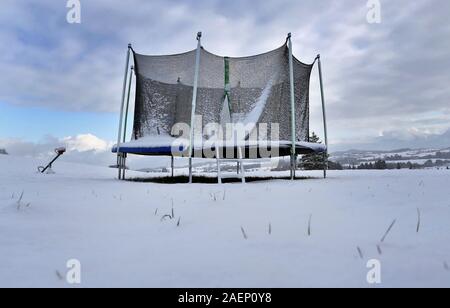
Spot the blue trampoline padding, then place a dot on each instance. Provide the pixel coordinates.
(166, 150)
(169, 150)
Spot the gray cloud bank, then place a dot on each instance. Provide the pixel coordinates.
(384, 82)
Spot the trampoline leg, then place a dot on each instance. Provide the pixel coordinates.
(171, 165)
(219, 174)
(291, 167)
(121, 170)
(124, 166)
(295, 165)
(119, 166)
(190, 170)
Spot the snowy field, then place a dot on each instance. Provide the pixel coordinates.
(115, 229)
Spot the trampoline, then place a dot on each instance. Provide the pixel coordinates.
(200, 105)
(169, 147)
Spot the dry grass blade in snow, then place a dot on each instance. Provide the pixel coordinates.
(213, 196)
(243, 233)
(19, 203)
(388, 230)
(59, 275)
(380, 252)
(360, 252)
(309, 225)
(173, 213)
(165, 216)
(418, 220)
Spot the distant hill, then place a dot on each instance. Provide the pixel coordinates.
(3, 151)
(419, 156)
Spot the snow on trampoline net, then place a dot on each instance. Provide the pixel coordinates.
(248, 90)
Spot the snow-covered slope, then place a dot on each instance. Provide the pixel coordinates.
(115, 229)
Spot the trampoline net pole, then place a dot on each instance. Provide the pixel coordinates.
(127, 105)
(291, 81)
(127, 63)
(194, 102)
(325, 161)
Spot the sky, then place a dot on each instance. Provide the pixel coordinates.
(386, 84)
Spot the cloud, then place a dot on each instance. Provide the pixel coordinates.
(387, 77)
(83, 148)
(397, 139)
(86, 142)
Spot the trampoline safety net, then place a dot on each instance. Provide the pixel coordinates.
(248, 90)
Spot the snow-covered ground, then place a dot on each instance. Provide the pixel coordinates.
(115, 229)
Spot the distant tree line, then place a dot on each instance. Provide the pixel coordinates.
(437, 155)
(382, 165)
(316, 161)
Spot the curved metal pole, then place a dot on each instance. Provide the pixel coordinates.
(291, 78)
(194, 103)
(325, 167)
(127, 105)
(121, 109)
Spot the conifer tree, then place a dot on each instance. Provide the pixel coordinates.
(313, 161)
